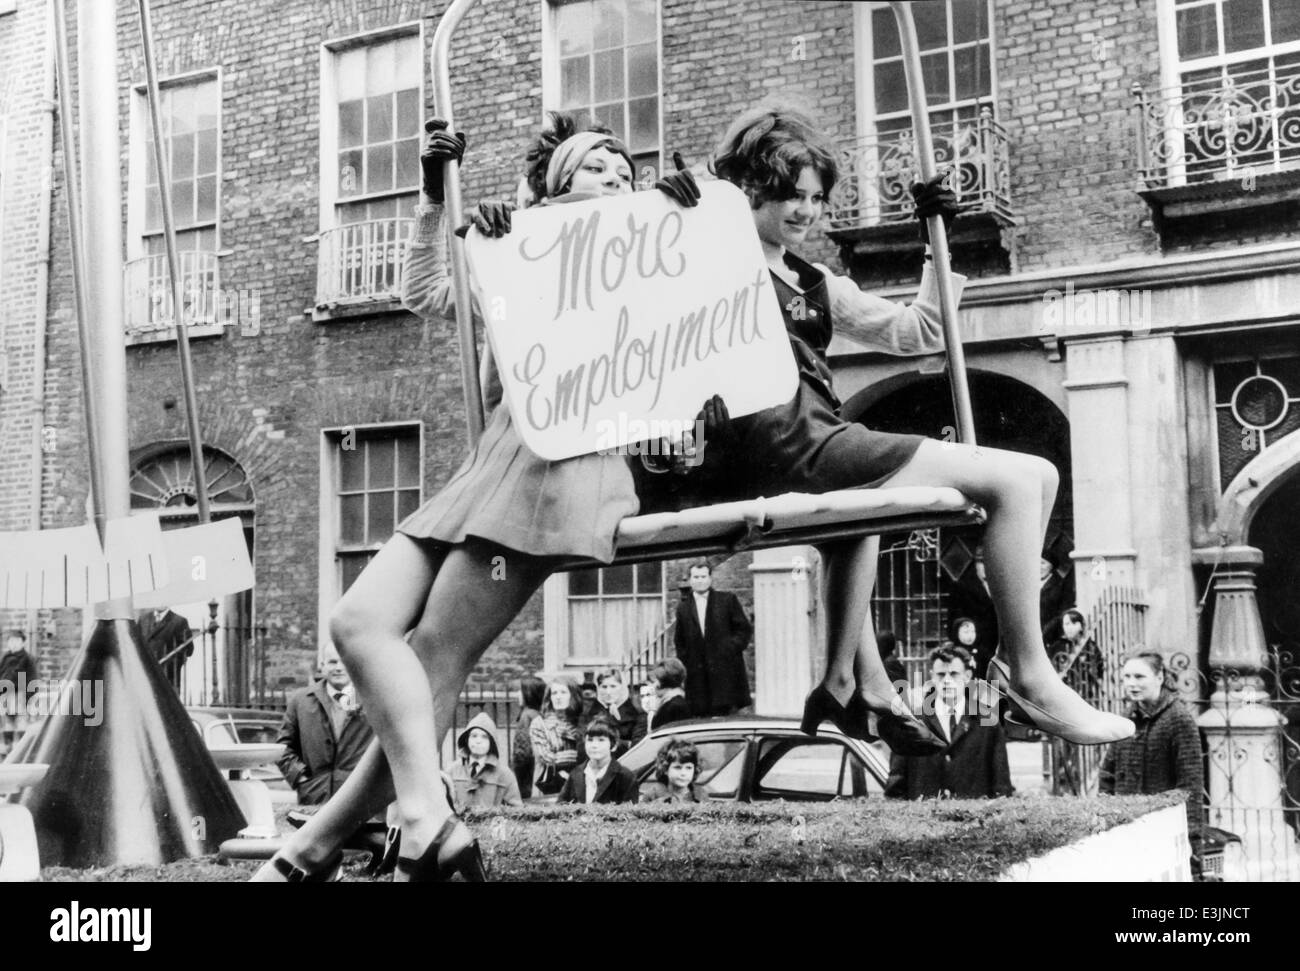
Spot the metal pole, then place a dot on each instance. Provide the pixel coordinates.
(439, 64)
(162, 161)
(90, 400)
(938, 236)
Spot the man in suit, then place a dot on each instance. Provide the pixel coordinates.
(323, 734)
(710, 636)
(955, 708)
(600, 778)
(162, 632)
(614, 702)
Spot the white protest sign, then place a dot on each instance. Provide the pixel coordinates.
(614, 318)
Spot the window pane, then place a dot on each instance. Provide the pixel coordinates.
(798, 766)
(206, 202)
(350, 80)
(642, 22)
(408, 162)
(1243, 24)
(609, 23)
(891, 87)
(381, 517)
(352, 467)
(642, 70)
(379, 168)
(931, 24)
(1285, 18)
(382, 456)
(582, 583)
(575, 82)
(408, 113)
(350, 172)
(352, 527)
(644, 129)
(183, 202)
(350, 568)
(152, 210)
(611, 116)
(934, 68)
(181, 116)
(617, 580)
(381, 69)
(351, 117)
(967, 19)
(406, 205)
(607, 83)
(407, 502)
(573, 28)
(206, 153)
(379, 118)
(408, 460)
(182, 149)
(884, 33)
(649, 579)
(205, 106)
(1197, 34)
(971, 64)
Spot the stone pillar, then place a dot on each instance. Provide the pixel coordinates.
(1243, 731)
(787, 629)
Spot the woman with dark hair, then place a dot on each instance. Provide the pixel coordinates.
(416, 620)
(532, 692)
(1165, 753)
(963, 631)
(677, 766)
(556, 735)
(1077, 656)
(776, 155)
(669, 677)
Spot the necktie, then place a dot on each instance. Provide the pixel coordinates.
(475, 769)
(952, 724)
(338, 699)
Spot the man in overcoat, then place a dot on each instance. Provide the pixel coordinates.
(710, 636)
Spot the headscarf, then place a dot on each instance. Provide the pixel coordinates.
(568, 155)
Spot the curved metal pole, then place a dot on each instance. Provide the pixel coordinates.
(162, 162)
(439, 68)
(938, 235)
(90, 399)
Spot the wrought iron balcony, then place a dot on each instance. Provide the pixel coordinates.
(876, 172)
(362, 262)
(149, 303)
(1215, 129)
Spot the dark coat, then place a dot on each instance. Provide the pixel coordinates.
(161, 637)
(1163, 753)
(618, 784)
(672, 710)
(13, 664)
(974, 766)
(315, 762)
(715, 663)
(630, 723)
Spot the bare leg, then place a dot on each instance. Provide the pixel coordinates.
(849, 574)
(1017, 492)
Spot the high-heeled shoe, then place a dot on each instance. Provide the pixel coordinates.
(433, 866)
(821, 706)
(1099, 728)
(329, 872)
(903, 732)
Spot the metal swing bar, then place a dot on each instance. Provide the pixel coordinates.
(786, 520)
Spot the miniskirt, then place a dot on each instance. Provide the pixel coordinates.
(506, 494)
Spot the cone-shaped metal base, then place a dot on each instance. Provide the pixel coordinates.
(132, 781)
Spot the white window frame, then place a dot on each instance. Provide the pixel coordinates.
(556, 627)
(551, 73)
(327, 569)
(329, 108)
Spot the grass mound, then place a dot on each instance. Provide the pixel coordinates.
(960, 840)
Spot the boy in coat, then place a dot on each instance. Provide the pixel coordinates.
(478, 778)
(600, 778)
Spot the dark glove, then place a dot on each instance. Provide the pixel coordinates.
(492, 219)
(680, 186)
(934, 198)
(440, 147)
(713, 424)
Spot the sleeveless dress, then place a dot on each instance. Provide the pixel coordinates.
(505, 493)
(804, 445)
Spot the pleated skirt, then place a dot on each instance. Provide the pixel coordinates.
(506, 494)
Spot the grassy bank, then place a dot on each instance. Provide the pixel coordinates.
(876, 840)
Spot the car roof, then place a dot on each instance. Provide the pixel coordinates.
(741, 723)
(210, 713)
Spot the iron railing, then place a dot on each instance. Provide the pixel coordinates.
(149, 295)
(1208, 129)
(228, 667)
(651, 652)
(361, 261)
(877, 170)
(909, 599)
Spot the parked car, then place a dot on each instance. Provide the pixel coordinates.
(226, 727)
(755, 758)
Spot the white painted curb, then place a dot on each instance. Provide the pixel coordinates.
(1152, 849)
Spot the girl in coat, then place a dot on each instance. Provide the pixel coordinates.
(677, 766)
(1165, 751)
(478, 778)
(412, 626)
(556, 735)
(788, 168)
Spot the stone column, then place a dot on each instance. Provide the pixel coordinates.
(1243, 731)
(787, 628)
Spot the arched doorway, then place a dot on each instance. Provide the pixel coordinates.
(227, 666)
(927, 580)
